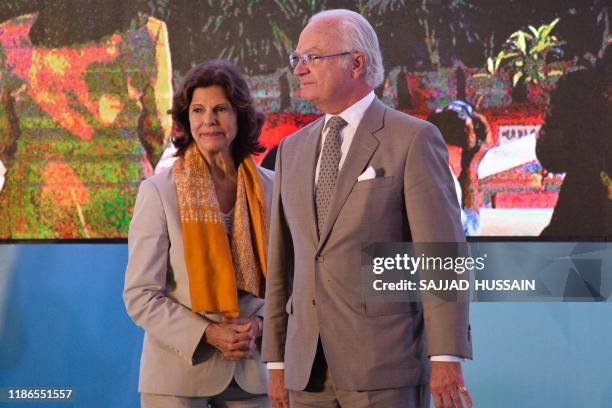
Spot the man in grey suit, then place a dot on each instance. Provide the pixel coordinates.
(362, 173)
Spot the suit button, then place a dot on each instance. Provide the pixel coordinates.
(314, 302)
(319, 259)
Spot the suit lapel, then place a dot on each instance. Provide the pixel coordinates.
(308, 165)
(362, 148)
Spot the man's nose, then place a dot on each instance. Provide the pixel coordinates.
(301, 68)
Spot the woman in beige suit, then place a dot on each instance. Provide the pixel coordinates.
(197, 252)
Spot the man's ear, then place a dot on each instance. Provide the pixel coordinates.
(359, 61)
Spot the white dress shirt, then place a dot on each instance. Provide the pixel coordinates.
(352, 116)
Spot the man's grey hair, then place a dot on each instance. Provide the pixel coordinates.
(358, 35)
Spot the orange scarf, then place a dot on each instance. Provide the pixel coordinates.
(217, 266)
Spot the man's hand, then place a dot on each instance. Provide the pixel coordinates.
(276, 389)
(447, 386)
(234, 338)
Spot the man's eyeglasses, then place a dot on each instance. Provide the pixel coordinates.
(294, 59)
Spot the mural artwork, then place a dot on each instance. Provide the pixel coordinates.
(520, 90)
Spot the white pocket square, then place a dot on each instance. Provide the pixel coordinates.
(368, 174)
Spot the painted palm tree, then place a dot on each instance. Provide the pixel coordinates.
(525, 54)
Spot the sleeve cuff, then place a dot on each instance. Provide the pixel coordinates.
(446, 358)
(276, 365)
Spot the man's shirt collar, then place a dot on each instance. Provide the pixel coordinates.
(354, 113)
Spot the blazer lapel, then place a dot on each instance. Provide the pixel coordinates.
(362, 148)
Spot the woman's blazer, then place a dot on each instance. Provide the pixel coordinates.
(156, 296)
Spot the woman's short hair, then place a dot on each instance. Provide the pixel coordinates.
(225, 74)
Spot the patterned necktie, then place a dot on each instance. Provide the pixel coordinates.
(328, 170)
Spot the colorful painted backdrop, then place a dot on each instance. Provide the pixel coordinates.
(85, 89)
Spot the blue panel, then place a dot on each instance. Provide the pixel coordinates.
(541, 355)
(63, 324)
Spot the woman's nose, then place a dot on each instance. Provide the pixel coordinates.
(210, 118)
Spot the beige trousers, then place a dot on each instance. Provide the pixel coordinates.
(232, 397)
